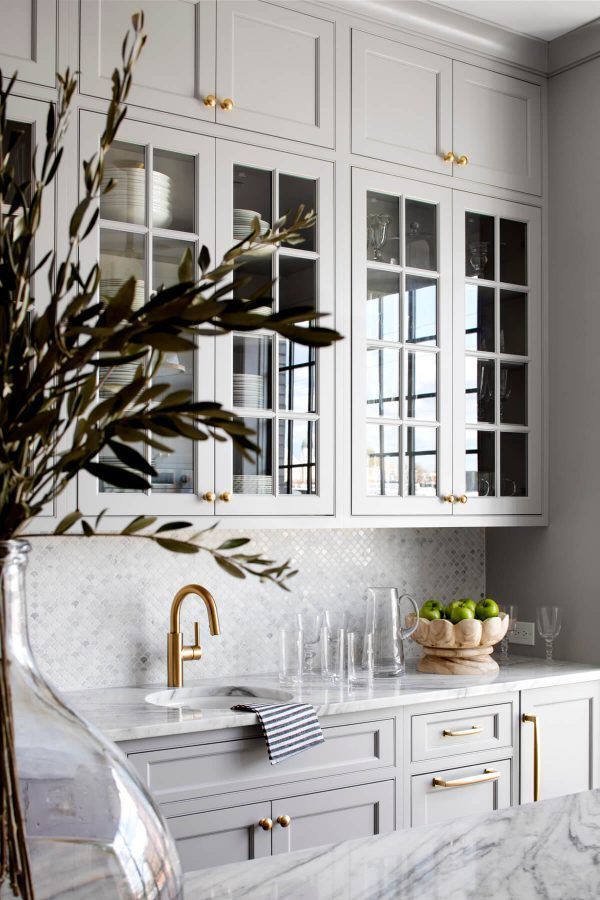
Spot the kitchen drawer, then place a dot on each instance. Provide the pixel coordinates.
(201, 770)
(478, 790)
(437, 735)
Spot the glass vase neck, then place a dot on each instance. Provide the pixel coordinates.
(13, 603)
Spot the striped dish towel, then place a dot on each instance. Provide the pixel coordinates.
(289, 728)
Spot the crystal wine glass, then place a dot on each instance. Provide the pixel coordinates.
(548, 625)
(512, 611)
(377, 229)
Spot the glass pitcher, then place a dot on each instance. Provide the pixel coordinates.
(384, 623)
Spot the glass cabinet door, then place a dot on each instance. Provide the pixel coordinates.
(497, 376)
(161, 206)
(401, 336)
(282, 390)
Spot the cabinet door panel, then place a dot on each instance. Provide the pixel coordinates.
(568, 739)
(431, 804)
(401, 103)
(340, 815)
(497, 124)
(277, 65)
(28, 46)
(221, 836)
(177, 67)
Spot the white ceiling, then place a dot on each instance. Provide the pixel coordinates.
(546, 19)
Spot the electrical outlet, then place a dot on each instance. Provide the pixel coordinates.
(523, 633)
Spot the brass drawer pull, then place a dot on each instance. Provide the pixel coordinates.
(449, 498)
(474, 729)
(449, 157)
(537, 775)
(284, 821)
(266, 824)
(462, 160)
(489, 775)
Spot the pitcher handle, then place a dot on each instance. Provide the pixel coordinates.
(406, 632)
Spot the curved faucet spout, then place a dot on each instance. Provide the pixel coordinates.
(209, 601)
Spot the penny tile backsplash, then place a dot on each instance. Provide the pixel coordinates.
(99, 607)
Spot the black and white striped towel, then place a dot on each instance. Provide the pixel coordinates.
(289, 728)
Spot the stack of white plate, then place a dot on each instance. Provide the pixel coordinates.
(113, 379)
(242, 223)
(126, 202)
(110, 286)
(249, 391)
(253, 484)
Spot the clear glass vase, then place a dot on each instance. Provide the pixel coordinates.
(92, 828)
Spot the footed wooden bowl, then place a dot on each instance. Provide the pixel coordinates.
(461, 649)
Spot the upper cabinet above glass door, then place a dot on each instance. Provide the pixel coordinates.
(28, 40)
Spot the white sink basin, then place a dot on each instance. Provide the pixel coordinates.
(217, 697)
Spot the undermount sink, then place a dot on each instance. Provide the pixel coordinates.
(220, 696)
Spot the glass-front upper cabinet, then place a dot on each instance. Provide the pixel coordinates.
(401, 347)
(282, 390)
(497, 375)
(162, 205)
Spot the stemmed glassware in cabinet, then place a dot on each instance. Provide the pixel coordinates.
(549, 621)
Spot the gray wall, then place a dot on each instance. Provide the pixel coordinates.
(561, 564)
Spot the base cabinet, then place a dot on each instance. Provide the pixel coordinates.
(450, 793)
(221, 836)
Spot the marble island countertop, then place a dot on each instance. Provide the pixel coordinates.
(548, 850)
(124, 714)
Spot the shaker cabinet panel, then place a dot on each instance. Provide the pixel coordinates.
(567, 740)
(176, 69)
(401, 103)
(471, 790)
(221, 836)
(497, 125)
(276, 65)
(28, 46)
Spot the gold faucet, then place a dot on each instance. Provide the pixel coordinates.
(177, 652)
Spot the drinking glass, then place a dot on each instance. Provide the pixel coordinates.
(291, 655)
(512, 611)
(310, 623)
(359, 672)
(333, 653)
(548, 625)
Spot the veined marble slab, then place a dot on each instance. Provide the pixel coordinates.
(123, 713)
(546, 850)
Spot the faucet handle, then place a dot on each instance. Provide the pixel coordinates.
(193, 651)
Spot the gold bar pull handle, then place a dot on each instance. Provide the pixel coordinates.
(488, 775)
(474, 729)
(537, 775)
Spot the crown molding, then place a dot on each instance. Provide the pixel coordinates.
(574, 48)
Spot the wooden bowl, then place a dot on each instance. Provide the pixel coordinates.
(461, 649)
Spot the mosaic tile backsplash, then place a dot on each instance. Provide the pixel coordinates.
(99, 607)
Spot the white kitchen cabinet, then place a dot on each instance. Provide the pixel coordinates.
(497, 357)
(176, 70)
(497, 125)
(28, 40)
(221, 836)
(401, 102)
(401, 346)
(469, 790)
(276, 65)
(567, 722)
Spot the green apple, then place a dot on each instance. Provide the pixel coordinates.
(430, 612)
(466, 601)
(433, 604)
(486, 609)
(460, 612)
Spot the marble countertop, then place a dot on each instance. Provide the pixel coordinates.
(547, 850)
(123, 713)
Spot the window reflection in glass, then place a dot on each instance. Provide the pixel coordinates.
(513, 252)
(295, 192)
(420, 465)
(513, 322)
(383, 306)
(297, 377)
(513, 393)
(479, 246)
(479, 389)
(420, 298)
(513, 464)
(479, 317)
(297, 457)
(252, 368)
(480, 463)
(383, 228)
(255, 475)
(421, 235)
(383, 382)
(383, 460)
(421, 384)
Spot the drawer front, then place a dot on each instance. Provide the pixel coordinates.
(187, 772)
(476, 790)
(442, 734)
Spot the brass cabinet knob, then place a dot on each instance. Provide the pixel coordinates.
(284, 821)
(226, 496)
(463, 498)
(449, 157)
(462, 160)
(227, 104)
(449, 498)
(209, 496)
(210, 100)
(266, 824)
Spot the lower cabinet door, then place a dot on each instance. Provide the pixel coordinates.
(221, 836)
(450, 793)
(339, 815)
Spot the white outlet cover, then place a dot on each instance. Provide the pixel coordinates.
(524, 633)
